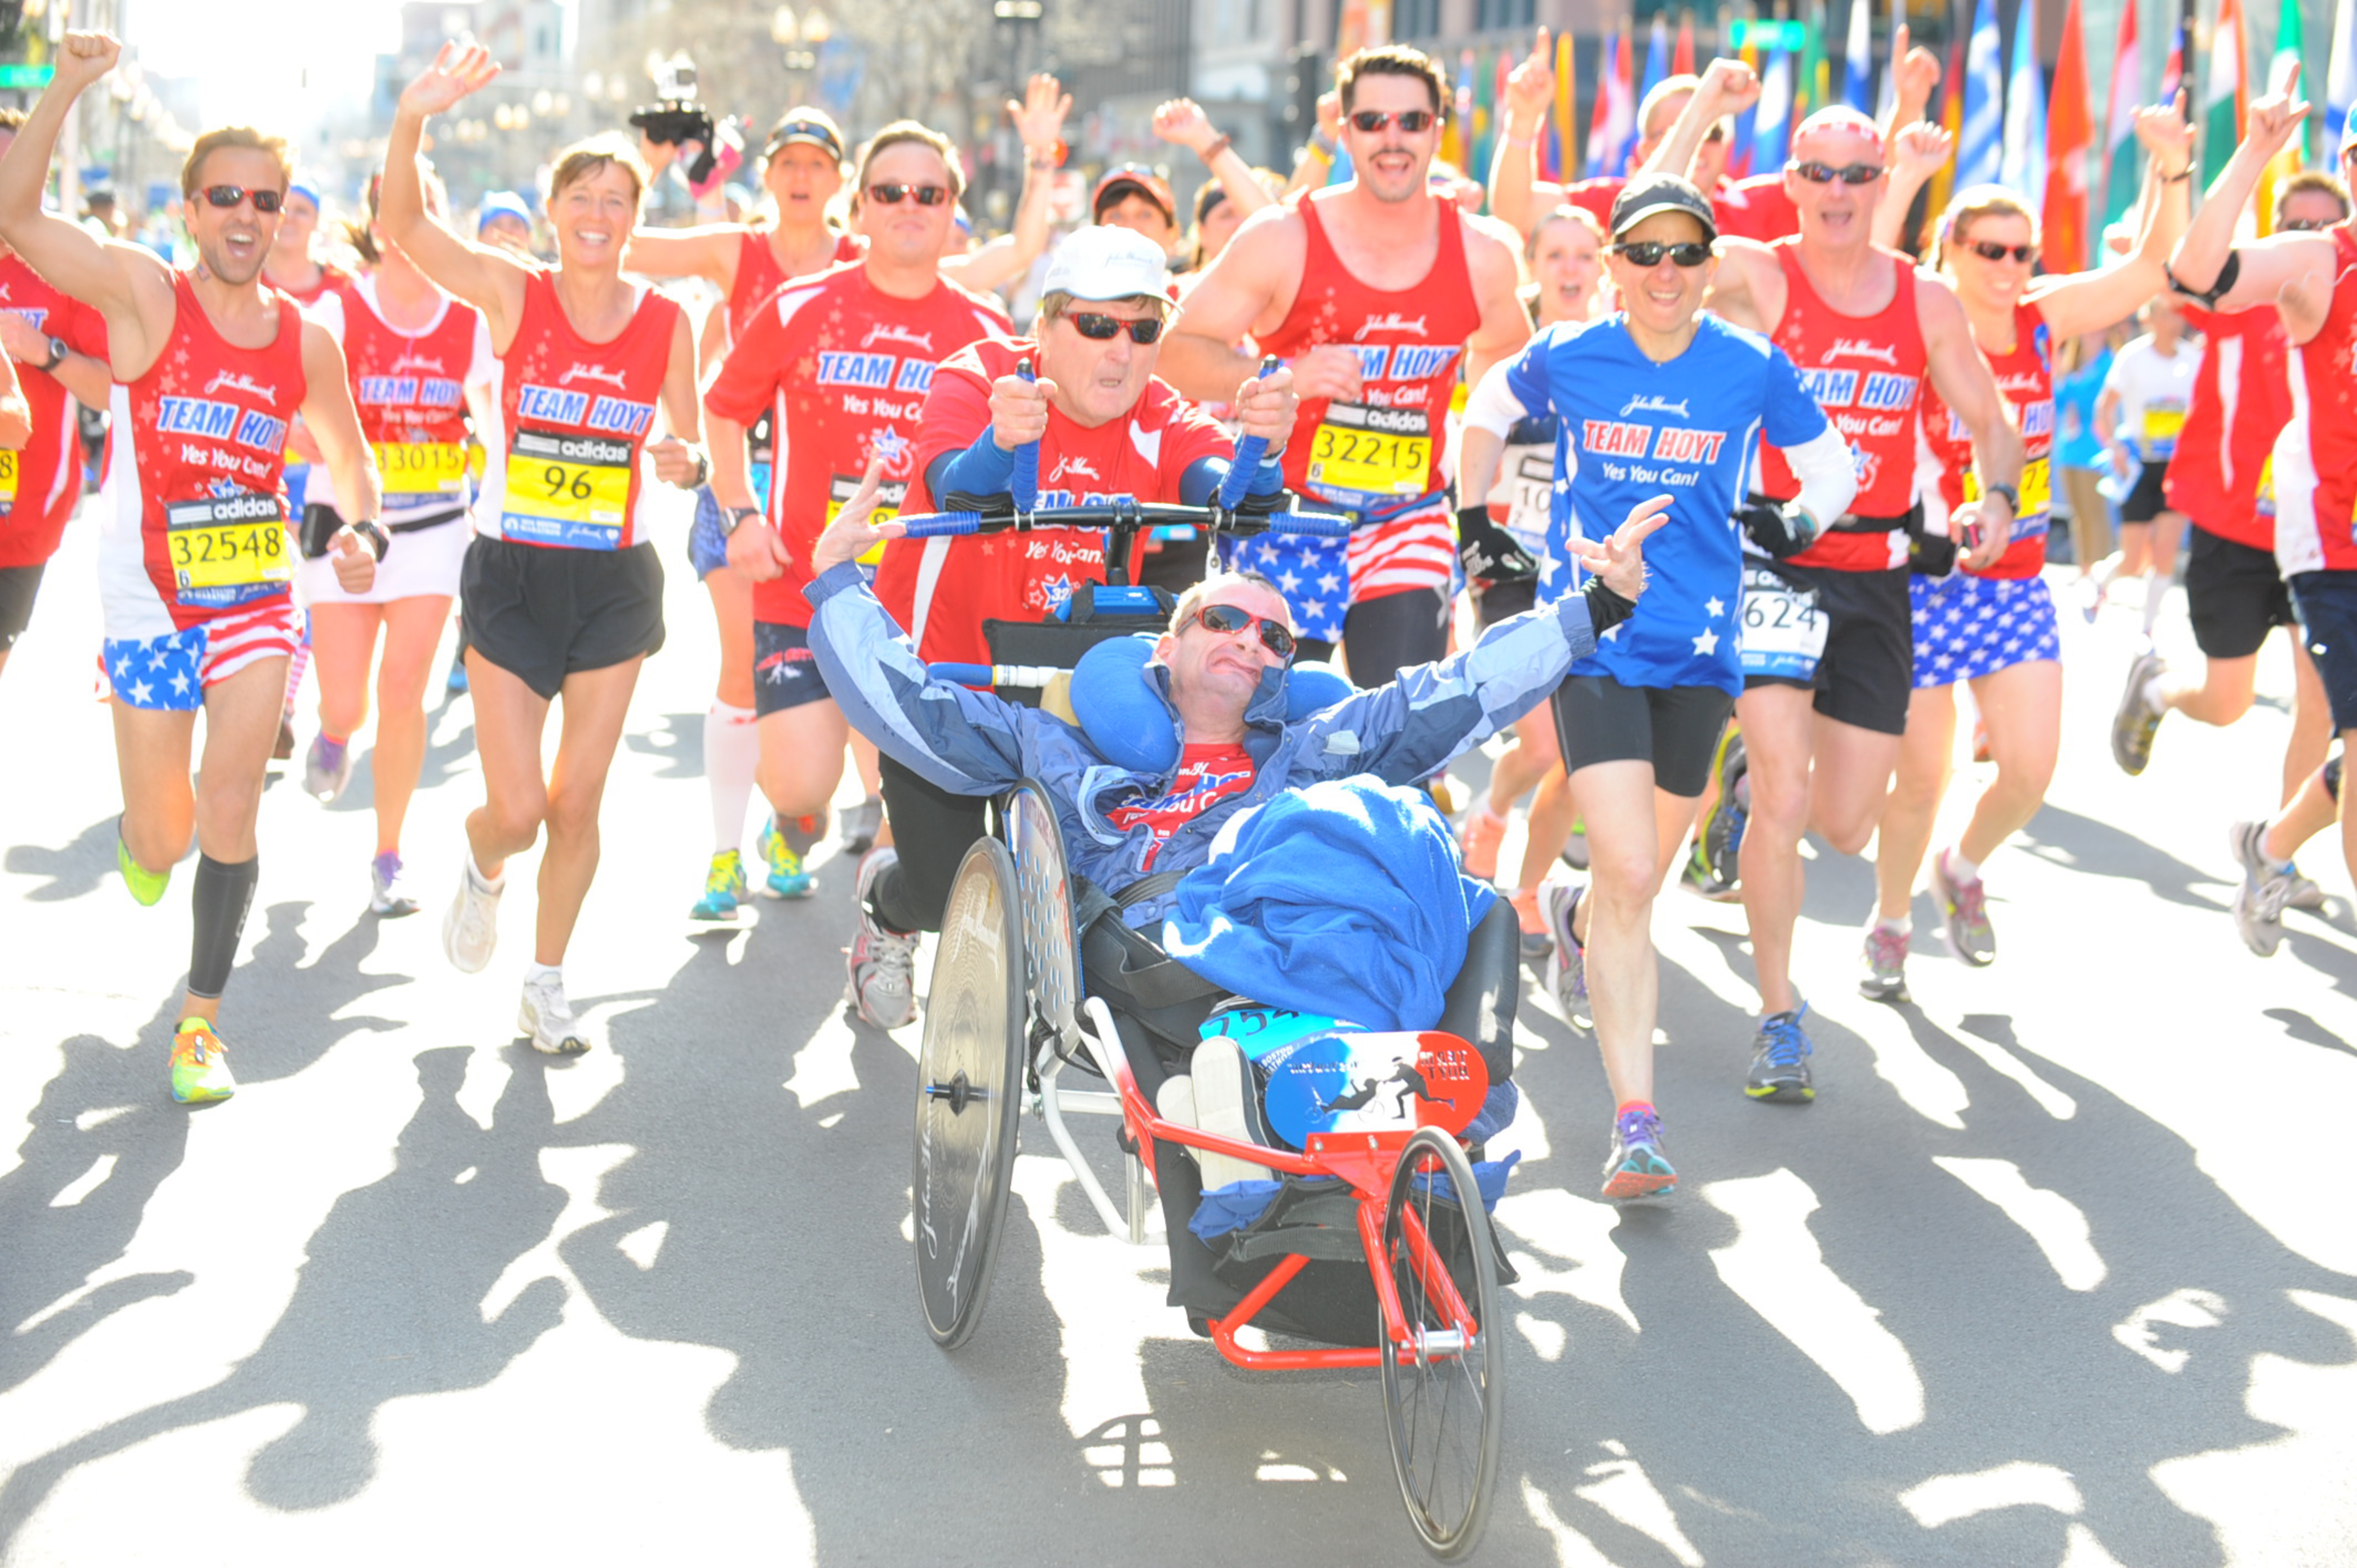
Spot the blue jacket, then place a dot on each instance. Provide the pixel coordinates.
(973, 743)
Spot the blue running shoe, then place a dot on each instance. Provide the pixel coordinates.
(1636, 1167)
(724, 889)
(1780, 1060)
(787, 879)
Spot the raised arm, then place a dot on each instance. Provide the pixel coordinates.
(1183, 123)
(1918, 151)
(1040, 122)
(1517, 196)
(1315, 159)
(1748, 290)
(2080, 302)
(1964, 382)
(488, 279)
(127, 284)
(1727, 86)
(2207, 264)
(1912, 80)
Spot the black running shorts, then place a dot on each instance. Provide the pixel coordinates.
(1868, 673)
(2145, 501)
(541, 614)
(1675, 728)
(19, 585)
(2235, 594)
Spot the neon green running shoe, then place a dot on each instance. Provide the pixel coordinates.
(787, 879)
(200, 1064)
(724, 889)
(145, 885)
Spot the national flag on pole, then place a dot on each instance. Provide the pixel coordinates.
(1566, 128)
(2341, 86)
(1857, 58)
(1476, 127)
(1980, 154)
(1771, 126)
(1952, 120)
(1454, 146)
(2023, 168)
(1616, 109)
(2172, 70)
(1740, 150)
(1810, 91)
(1681, 58)
(1889, 99)
(2121, 152)
(1502, 69)
(2227, 90)
(1657, 66)
(2068, 133)
(2280, 67)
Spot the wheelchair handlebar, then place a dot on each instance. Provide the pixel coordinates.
(1326, 525)
(1034, 676)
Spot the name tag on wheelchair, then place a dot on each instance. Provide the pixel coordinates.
(1783, 629)
(1387, 1085)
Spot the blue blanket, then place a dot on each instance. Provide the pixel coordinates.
(1345, 897)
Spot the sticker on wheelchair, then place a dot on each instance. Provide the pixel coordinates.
(1392, 1083)
(1783, 628)
(1257, 1031)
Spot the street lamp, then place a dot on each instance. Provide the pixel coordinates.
(791, 34)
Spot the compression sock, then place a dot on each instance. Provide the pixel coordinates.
(732, 747)
(294, 668)
(223, 896)
(2156, 588)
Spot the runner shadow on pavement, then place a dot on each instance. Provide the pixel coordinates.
(73, 870)
(680, 742)
(2306, 1030)
(2083, 843)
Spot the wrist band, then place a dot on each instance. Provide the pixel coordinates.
(1322, 144)
(2180, 177)
(1213, 152)
(377, 541)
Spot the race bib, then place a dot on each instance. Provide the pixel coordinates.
(2265, 499)
(226, 550)
(568, 490)
(1783, 629)
(2037, 487)
(1533, 508)
(888, 496)
(8, 483)
(2161, 423)
(427, 470)
(1372, 451)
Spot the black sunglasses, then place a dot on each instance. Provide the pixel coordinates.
(1648, 254)
(1412, 122)
(228, 195)
(1990, 251)
(891, 193)
(1817, 173)
(2304, 225)
(1228, 618)
(1102, 328)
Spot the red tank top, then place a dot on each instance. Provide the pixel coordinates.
(207, 427)
(410, 390)
(759, 276)
(1864, 372)
(1387, 448)
(39, 485)
(2316, 456)
(2219, 471)
(575, 416)
(332, 279)
(2025, 374)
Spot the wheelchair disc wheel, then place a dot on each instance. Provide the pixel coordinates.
(969, 1094)
(1447, 1421)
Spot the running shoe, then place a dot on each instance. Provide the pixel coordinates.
(1574, 848)
(1636, 1167)
(861, 824)
(1720, 835)
(545, 1016)
(384, 897)
(1568, 968)
(724, 889)
(2304, 894)
(883, 964)
(1479, 839)
(2260, 897)
(2133, 726)
(200, 1064)
(1964, 907)
(1779, 1059)
(787, 879)
(1886, 964)
(283, 749)
(145, 885)
(456, 682)
(1536, 943)
(471, 930)
(1227, 1103)
(327, 767)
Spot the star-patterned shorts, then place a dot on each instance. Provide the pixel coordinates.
(1968, 627)
(171, 674)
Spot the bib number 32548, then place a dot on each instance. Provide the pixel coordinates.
(1783, 628)
(227, 550)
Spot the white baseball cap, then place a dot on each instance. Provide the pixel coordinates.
(1100, 264)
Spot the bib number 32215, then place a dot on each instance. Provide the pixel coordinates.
(1783, 628)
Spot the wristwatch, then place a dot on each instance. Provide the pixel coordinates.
(702, 470)
(733, 518)
(2011, 494)
(58, 353)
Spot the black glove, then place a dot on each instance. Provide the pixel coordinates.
(672, 123)
(1488, 553)
(1780, 528)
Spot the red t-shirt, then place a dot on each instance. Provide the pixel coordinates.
(843, 368)
(2316, 456)
(39, 485)
(1025, 576)
(1207, 774)
(2240, 403)
(2026, 376)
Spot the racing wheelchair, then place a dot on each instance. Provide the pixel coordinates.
(1373, 1236)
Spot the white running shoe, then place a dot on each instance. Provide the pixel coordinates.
(883, 964)
(1227, 1101)
(471, 930)
(545, 1016)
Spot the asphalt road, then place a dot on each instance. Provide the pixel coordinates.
(2059, 1269)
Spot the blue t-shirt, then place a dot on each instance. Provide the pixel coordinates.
(1631, 430)
(2076, 446)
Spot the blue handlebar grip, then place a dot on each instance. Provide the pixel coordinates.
(961, 674)
(940, 523)
(1025, 485)
(1319, 524)
(1246, 465)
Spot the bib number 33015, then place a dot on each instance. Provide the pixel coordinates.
(1783, 628)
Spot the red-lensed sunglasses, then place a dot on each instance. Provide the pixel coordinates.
(1226, 618)
(228, 195)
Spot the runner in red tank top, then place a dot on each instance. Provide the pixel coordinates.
(1995, 626)
(2220, 477)
(412, 353)
(1865, 329)
(561, 594)
(1382, 295)
(209, 369)
(293, 270)
(841, 363)
(2313, 278)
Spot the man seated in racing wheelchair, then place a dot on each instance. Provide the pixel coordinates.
(1143, 787)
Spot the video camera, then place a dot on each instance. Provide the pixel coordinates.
(680, 119)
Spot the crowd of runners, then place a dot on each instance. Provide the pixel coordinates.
(1840, 455)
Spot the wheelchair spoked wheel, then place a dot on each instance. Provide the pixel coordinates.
(1446, 1418)
(969, 1093)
